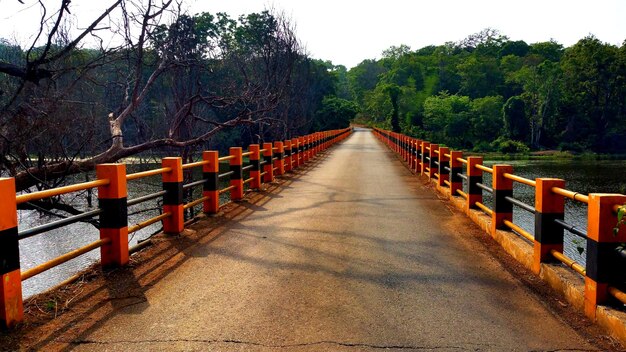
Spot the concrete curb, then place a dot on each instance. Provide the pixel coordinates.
(561, 279)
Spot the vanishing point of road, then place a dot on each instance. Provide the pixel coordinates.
(355, 254)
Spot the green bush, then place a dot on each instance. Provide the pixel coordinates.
(509, 146)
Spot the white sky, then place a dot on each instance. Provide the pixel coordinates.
(349, 31)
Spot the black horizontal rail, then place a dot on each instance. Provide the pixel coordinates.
(195, 183)
(226, 174)
(245, 168)
(571, 228)
(486, 188)
(521, 204)
(145, 198)
(462, 176)
(57, 224)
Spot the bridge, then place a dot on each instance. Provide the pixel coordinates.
(351, 250)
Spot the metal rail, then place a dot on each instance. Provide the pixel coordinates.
(225, 174)
(569, 262)
(57, 224)
(246, 168)
(484, 208)
(463, 194)
(148, 222)
(226, 189)
(247, 154)
(196, 164)
(148, 173)
(225, 158)
(484, 168)
(520, 179)
(571, 195)
(619, 295)
(484, 187)
(23, 198)
(248, 180)
(145, 198)
(461, 160)
(527, 235)
(521, 204)
(195, 202)
(462, 176)
(27, 274)
(571, 228)
(194, 184)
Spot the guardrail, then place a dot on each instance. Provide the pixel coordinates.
(265, 162)
(605, 260)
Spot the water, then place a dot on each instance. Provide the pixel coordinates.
(49, 245)
(581, 176)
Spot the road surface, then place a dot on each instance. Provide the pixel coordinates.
(353, 255)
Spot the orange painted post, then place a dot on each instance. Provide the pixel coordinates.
(11, 306)
(425, 157)
(114, 217)
(434, 159)
(502, 188)
(418, 157)
(474, 176)
(279, 163)
(604, 263)
(549, 206)
(210, 189)
(236, 178)
(456, 167)
(173, 199)
(301, 150)
(255, 161)
(287, 155)
(295, 154)
(444, 165)
(267, 163)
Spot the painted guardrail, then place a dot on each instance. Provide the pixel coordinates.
(605, 260)
(265, 162)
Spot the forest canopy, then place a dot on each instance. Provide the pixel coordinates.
(489, 93)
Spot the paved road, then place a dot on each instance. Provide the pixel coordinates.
(354, 255)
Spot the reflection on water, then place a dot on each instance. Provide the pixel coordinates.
(583, 176)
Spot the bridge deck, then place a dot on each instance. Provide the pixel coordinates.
(356, 254)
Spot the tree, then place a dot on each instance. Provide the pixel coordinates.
(166, 85)
(335, 113)
(515, 121)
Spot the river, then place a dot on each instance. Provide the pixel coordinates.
(581, 176)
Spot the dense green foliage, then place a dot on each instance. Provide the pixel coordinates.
(488, 93)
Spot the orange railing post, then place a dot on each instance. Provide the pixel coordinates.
(502, 188)
(114, 217)
(268, 168)
(474, 176)
(549, 206)
(236, 178)
(11, 306)
(604, 265)
(295, 153)
(287, 162)
(279, 163)
(210, 188)
(255, 161)
(434, 158)
(425, 155)
(173, 199)
(444, 165)
(456, 167)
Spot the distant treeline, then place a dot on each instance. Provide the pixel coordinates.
(488, 93)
